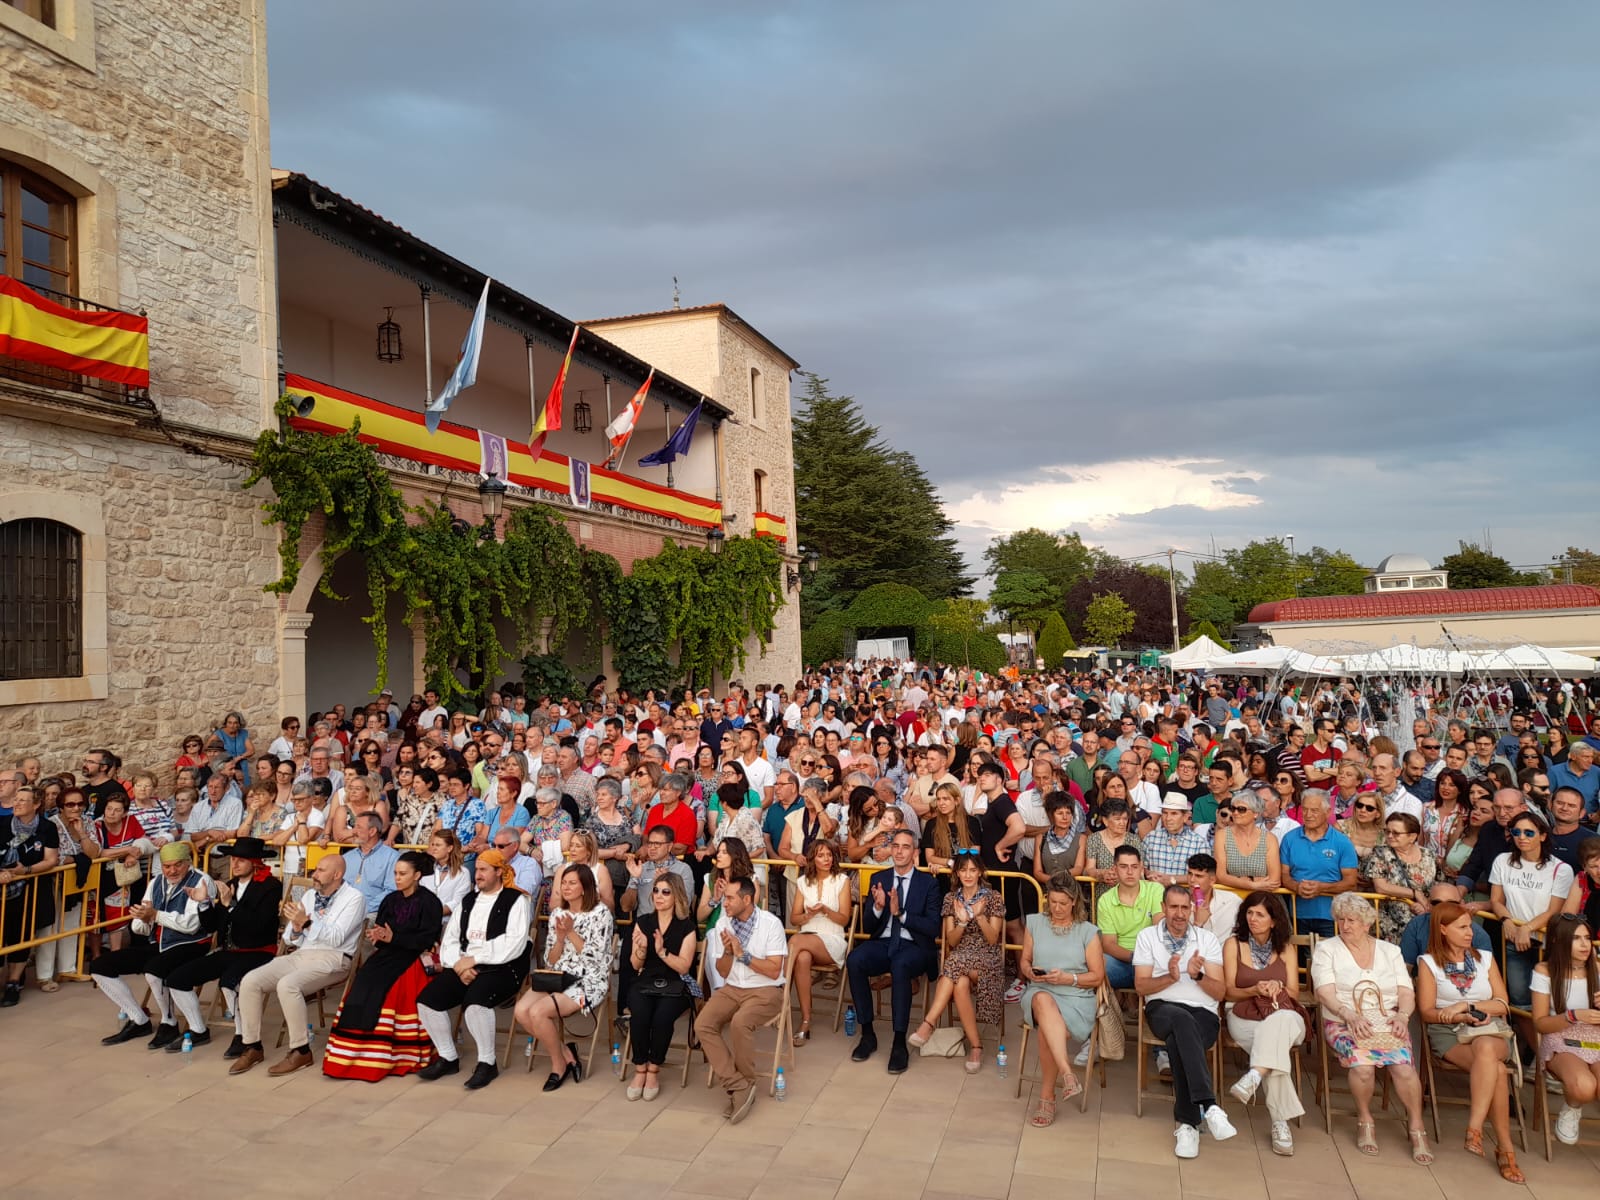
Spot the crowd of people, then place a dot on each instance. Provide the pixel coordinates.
(1062, 842)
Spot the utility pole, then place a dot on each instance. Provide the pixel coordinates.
(1294, 564)
(1172, 593)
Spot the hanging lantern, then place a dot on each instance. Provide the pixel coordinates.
(389, 348)
(582, 415)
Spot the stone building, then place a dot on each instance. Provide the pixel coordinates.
(135, 183)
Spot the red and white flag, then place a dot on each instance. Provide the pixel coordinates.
(621, 429)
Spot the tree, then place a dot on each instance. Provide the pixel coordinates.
(1210, 596)
(1055, 639)
(1146, 594)
(1473, 567)
(869, 511)
(1584, 565)
(1331, 573)
(1202, 629)
(1107, 618)
(1063, 559)
(1024, 595)
(961, 621)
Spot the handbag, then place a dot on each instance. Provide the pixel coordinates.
(1367, 999)
(1113, 1038)
(1259, 1008)
(550, 981)
(127, 874)
(1493, 1027)
(944, 1043)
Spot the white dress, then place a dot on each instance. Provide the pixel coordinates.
(830, 891)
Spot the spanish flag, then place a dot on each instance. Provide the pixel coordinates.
(550, 419)
(114, 346)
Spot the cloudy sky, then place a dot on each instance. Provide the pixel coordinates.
(1166, 274)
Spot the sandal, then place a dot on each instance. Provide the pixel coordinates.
(1506, 1160)
(49, 985)
(918, 1039)
(803, 1034)
(1045, 1115)
(1367, 1137)
(974, 1060)
(1070, 1087)
(1474, 1142)
(1420, 1154)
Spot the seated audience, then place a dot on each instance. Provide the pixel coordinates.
(1063, 961)
(369, 866)
(662, 952)
(821, 908)
(578, 949)
(900, 924)
(750, 949)
(974, 917)
(1262, 987)
(1566, 1014)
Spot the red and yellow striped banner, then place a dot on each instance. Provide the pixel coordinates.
(404, 434)
(767, 525)
(114, 346)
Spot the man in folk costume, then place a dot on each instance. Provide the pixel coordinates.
(168, 933)
(484, 952)
(244, 922)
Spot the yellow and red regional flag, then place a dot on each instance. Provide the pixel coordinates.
(550, 418)
(114, 346)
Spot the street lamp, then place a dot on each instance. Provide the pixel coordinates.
(492, 495)
(807, 568)
(714, 539)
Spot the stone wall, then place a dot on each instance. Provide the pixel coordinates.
(190, 633)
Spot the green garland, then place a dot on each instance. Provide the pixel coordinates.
(457, 583)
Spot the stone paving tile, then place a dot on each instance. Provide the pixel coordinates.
(846, 1130)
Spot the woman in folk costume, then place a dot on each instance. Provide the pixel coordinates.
(377, 1031)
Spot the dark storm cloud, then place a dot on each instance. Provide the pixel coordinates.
(1314, 244)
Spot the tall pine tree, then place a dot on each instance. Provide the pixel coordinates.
(869, 511)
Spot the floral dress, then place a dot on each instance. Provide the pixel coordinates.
(974, 953)
(1101, 857)
(463, 820)
(1385, 864)
(1440, 832)
(591, 965)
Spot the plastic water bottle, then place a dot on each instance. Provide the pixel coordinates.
(311, 1035)
(616, 1059)
(188, 1043)
(1000, 1060)
(850, 1021)
(780, 1087)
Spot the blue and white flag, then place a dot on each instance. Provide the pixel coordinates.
(678, 444)
(466, 372)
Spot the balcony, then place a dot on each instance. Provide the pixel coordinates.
(49, 339)
(402, 434)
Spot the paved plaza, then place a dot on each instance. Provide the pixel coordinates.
(77, 1117)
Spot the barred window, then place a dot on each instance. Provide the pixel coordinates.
(41, 600)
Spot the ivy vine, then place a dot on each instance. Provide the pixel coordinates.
(459, 582)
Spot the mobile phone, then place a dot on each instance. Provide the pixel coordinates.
(1039, 973)
(1476, 1013)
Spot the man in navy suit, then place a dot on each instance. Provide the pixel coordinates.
(902, 926)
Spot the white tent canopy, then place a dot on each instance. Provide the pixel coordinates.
(1197, 655)
(1409, 659)
(1533, 659)
(1271, 660)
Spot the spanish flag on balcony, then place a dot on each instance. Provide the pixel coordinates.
(114, 346)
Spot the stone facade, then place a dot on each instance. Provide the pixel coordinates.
(712, 349)
(155, 120)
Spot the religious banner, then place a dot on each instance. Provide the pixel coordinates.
(580, 483)
(492, 456)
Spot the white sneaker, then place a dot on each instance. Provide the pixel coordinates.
(1081, 1059)
(1163, 1063)
(1567, 1125)
(1014, 992)
(1217, 1122)
(1282, 1142)
(1188, 1141)
(1246, 1087)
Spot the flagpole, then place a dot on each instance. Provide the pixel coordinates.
(533, 391)
(427, 349)
(607, 378)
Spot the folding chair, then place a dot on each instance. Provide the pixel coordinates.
(1148, 1040)
(1433, 1065)
(1096, 1064)
(1541, 1115)
(780, 1023)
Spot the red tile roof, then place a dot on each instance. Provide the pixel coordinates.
(1425, 603)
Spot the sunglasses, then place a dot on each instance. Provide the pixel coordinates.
(965, 851)
(661, 891)
(1239, 808)
(72, 804)
(1524, 833)
(1430, 745)
(1365, 807)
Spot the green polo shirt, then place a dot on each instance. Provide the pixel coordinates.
(1124, 921)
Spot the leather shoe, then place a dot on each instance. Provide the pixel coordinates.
(742, 1105)
(293, 1061)
(196, 1040)
(439, 1068)
(128, 1033)
(248, 1057)
(235, 1047)
(866, 1047)
(482, 1076)
(899, 1056)
(165, 1036)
